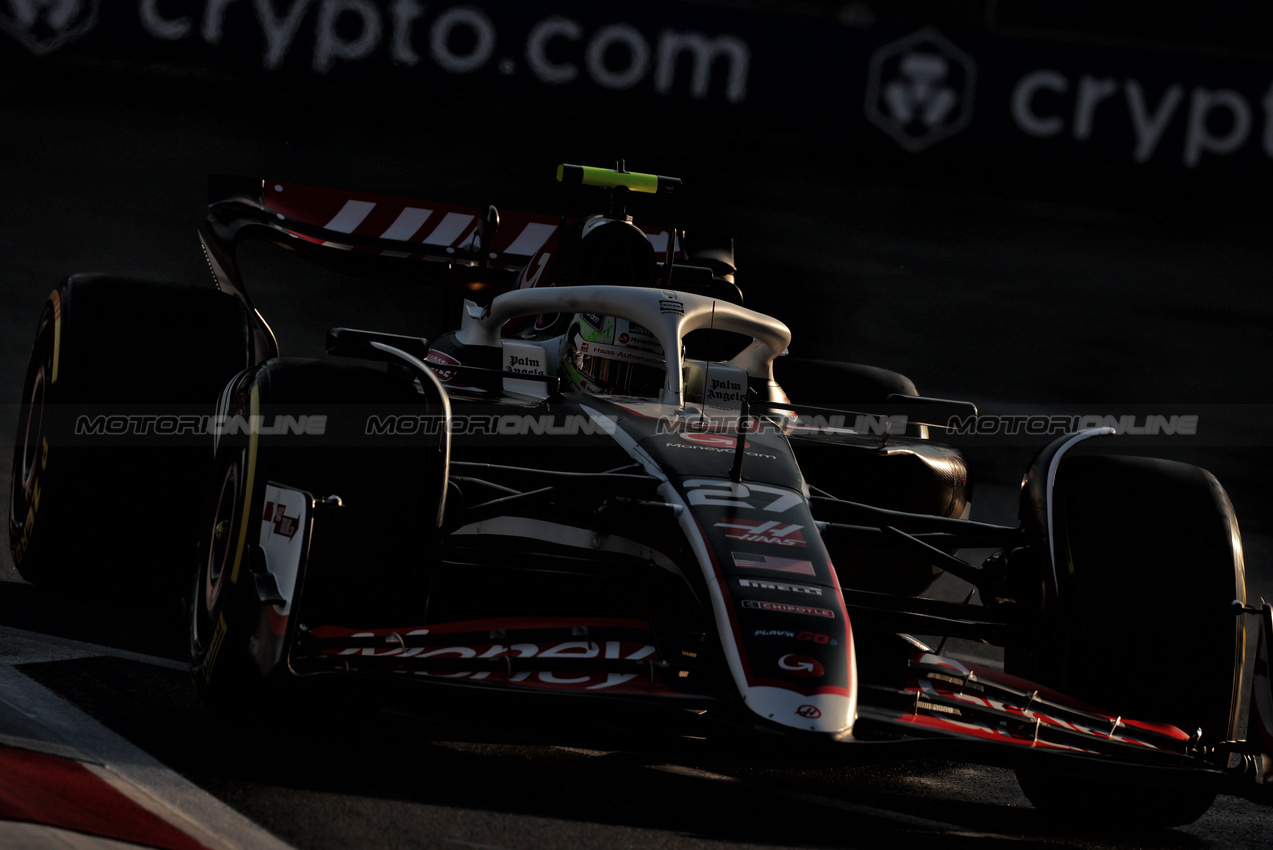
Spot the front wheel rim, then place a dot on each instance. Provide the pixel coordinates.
(220, 553)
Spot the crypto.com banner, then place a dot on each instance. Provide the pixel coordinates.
(907, 94)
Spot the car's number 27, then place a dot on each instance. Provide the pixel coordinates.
(728, 494)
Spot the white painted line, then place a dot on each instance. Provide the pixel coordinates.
(693, 772)
(904, 820)
(477, 846)
(135, 772)
(48, 748)
(18, 646)
(16, 835)
(580, 751)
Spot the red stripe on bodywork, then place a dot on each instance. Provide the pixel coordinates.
(1060, 698)
(510, 623)
(978, 731)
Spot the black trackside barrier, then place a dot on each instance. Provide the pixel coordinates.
(1165, 95)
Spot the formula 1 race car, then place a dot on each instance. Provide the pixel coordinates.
(609, 480)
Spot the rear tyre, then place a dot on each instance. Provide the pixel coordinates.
(832, 383)
(844, 386)
(90, 469)
(1140, 621)
(916, 477)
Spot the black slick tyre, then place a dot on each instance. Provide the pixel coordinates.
(833, 383)
(1140, 623)
(114, 363)
(369, 544)
(914, 475)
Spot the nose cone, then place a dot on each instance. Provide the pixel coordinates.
(833, 713)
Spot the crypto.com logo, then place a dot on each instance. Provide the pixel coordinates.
(920, 89)
(45, 25)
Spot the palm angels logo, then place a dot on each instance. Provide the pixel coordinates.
(45, 25)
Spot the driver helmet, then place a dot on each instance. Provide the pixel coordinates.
(607, 355)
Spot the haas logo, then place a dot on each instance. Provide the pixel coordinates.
(43, 26)
(441, 358)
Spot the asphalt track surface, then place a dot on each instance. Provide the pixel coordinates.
(1017, 299)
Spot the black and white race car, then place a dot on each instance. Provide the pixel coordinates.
(609, 480)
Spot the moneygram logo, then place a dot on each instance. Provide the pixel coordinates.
(802, 666)
(718, 441)
(43, 26)
(920, 89)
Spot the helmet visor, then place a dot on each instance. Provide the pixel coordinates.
(619, 371)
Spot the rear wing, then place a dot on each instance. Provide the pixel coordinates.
(382, 236)
(390, 237)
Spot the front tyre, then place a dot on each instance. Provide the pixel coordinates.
(1140, 621)
(222, 678)
(33, 535)
(363, 556)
